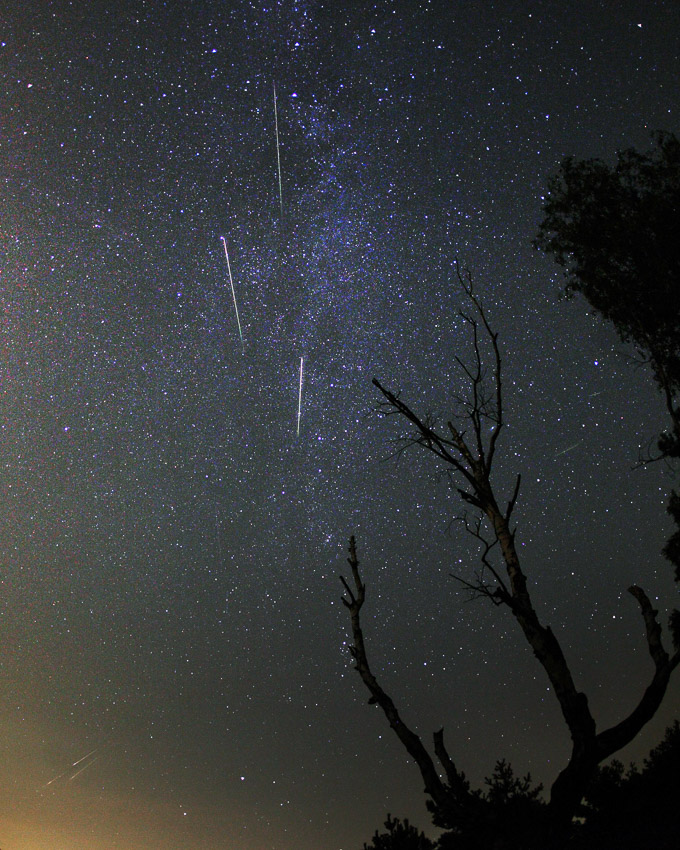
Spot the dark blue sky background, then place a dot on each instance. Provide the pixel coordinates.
(169, 544)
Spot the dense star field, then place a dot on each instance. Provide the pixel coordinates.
(171, 532)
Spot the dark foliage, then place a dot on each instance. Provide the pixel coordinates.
(616, 232)
(510, 814)
(622, 810)
(672, 547)
(399, 836)
(638, 808)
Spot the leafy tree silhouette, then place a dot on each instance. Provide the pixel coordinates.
(633, 809)
(399, 836)
(616, 232)
(623, 809)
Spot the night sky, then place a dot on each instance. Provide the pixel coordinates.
(170, 545)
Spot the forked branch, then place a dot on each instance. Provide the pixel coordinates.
(469, 456)
(448, 800)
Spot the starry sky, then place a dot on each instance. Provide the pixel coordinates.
(170, 544)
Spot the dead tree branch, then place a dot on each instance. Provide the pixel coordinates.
(448, 800)
(470, 458)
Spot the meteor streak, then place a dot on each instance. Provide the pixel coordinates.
(91, 753)
(54, 779)
(74, 764)
(278, 155)
(569, 449)
(84, 767)
(299, 397)
(233, 293)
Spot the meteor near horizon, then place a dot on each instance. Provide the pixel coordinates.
(71, 766)
(233, 292)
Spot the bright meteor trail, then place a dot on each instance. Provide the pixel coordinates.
(83, 768)
(278, 155)
(91, 753)
(299, 398)
(233, 293)
(74, 764)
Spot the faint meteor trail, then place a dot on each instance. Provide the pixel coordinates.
(233, 293)
(278, 155)
(569, 449)
(54, 779)
(91, 753)
(217, 535)
(84, 767)
(299, 397)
